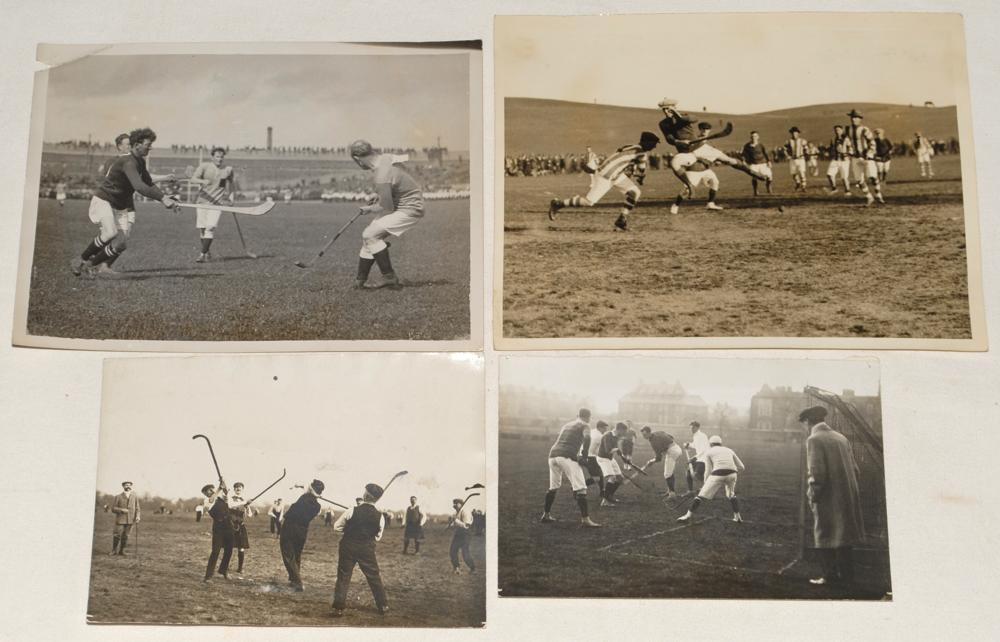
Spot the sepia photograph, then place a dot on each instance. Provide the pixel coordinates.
(240, 195)
(692, 478)
(291, 491)
(735, 180)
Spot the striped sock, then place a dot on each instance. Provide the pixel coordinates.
(95, 246)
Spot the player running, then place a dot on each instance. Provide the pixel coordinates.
(679, 130)
(756, 157)
(663, 445)
(796, 147)
(701, 173)
(863, 158)
(883, 155)
(399, 206)
(840, 151)
(625, 170)
(563, 463)
(113, 205)
(216, 182)
(723, 464)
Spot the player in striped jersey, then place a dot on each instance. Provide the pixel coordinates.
(625, 170)
(216, 182)
(796, 148)
(840, 160)
(863, 158)
(723, 464)
(564, 462)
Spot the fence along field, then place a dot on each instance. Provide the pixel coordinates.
(641, 551)
(162, 582)
(825, 266)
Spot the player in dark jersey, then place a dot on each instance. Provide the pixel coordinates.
(756, 157)
(883, 155)
(625, 170)
(565, 461)
(115, 198)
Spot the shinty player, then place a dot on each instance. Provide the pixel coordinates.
(665, 449)
(564, 459)
(625, 170)
(756, 157)
(723, 464)
(796, 147)
(216, 181)
(840, 151)
(863, 165)
(113, 205)
(400, 206)
(610, 470)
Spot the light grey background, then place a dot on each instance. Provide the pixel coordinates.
(941, 410)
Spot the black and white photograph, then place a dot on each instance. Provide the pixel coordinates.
(228, 195)
(291, 491)
(735, 180)
(692, 478)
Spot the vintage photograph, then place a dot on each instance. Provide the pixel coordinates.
(291, 491)
(692, 478)
(313, 193)
(735, 180)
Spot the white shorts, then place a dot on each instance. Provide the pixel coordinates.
(110, 219)
(883, 166)
(863, 168)
(924, 157)
(763, 169)
(708, 153)
(813, 161)
(601, 185)
(842, 167)
(796, 166)
(714, 482)
(609, 467)
(399, 221)
(673, 454)
(708, 177)
(60, 196)
(207, 218)
(560, 467)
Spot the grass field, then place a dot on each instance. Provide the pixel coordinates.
(641, 551)
(163, 582)
(824, 267)
(162, 294)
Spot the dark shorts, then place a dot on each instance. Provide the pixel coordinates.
(240, 538)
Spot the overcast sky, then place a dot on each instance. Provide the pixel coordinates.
(605, 380)
(346, 419)
(732, 63)
(328, 100)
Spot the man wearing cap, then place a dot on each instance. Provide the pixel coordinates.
(863, 157)
(564, 462)
(399, 206)
(462, 521)
(680, 131)
(295, 528)
(796, 148)
(238, 515)
(625, 170)
(840, 152)
(665, 449)
(361, 527)
(696, 463)
(127, 513)
(883, 155)
(413, 527)
(222, 529)
(834, 495)
(724, 464)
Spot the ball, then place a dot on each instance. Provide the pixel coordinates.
(781, 208)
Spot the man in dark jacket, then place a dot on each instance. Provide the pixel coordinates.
(414, 526)
(361, 527)
(222, 529)
(295, 528)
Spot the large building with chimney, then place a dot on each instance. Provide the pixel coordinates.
(662, 406)
(778, 408)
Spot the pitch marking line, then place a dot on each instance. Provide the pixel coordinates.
(656, 534)
(697, 563)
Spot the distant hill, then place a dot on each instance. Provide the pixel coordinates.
(554, 126)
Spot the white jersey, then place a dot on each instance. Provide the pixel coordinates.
(722, 458)
(595, 442)
(699, 441)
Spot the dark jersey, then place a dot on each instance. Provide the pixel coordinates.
(682, 127)
(608, 443)
(126, 175)
(661, 443)
(570, 440)
(302, 511)
(364, 524)
(755, 154)
(221, 517)
(883, 149)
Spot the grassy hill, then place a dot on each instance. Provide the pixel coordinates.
(542, 126)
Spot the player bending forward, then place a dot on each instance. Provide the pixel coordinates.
(625, 170)
(113, 205)
(610, 470)
(679, 130)
(399, 206)
(563, 463)
(215, 181)
(723, 464)
(663, 446)
(701, 173)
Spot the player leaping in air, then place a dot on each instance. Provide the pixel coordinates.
(399, 206)
(114, 199)
(680, 130)
(613, 172)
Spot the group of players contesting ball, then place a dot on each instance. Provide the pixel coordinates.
(397, 205)
(854, 148)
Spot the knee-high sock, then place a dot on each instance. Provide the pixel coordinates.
(109, 253)
(670, 483)
(581, 501)
(364, 268)
(711, 195)
(384, 264)
(695, 504)
(239, 556)
(95, 247)
(550, 498)
(735, 503)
